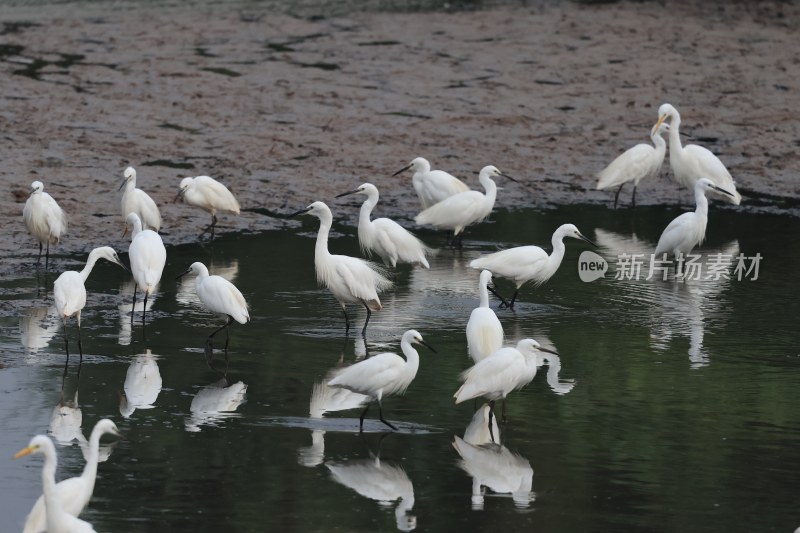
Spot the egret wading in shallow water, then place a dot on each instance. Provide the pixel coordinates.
(57, 520)
(691, 162)
(69, 291)
(137, 201)
(148, 257)
(484, 331)
(220, 296)
(210, 195)
(689, 229)
(641, 161)
(528, 263)
(496, 376)
(383, 374)
(465, 208)
(432, 186)
(44, 219)
(351, 280)
(73, 494)
(385, 237)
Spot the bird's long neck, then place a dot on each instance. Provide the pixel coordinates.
(90, 469)
(137, 228)
(660, 144)
(491, 189)
(89, 266)
(557, 255)
(483, 293)
(412, 358)
(321, 248)
(675, 146)
(366, 211)
(130, 184)
(49, 482)
(701, 201)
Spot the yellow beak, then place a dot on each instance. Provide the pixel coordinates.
(661, 119)
(24, 451)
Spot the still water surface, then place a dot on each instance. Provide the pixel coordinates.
(673, 406)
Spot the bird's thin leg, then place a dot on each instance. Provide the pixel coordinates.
(364, 331)
(491, 416)
(461, 240)
(213, 225)
(133, 305)
(210, 339)
(380, 414)
(80, 341)
(144, 313)
(503, 302)
(633, 197)
(346, 321)
(361, 419)
(39, 259)
(616, 196)
(47, 257)
(503, 413)
(66, 349)
(513, 299)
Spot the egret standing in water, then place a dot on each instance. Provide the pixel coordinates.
(432, 186)
(137, 201)
(351, 280)
(73, 494)
(220, 296)
(641, 161)
(57, 520)
(69, 291)
(528, 263)
(484, 331)
(385, 237)
(44, 219)
(148, 257)
(383, 374)
(689, 229)
(210, 195)
(466, 208)
(496, 376)
(692, 162)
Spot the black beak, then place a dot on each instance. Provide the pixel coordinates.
(509, 177)
(301, 212)
(126, 269)
(548, 351)
(30, 193)
(177, 196)
(354, 191)
(582, 237)
(402, 170)
(121, 185)
(428, 346)
(720, 189)
(179, 276)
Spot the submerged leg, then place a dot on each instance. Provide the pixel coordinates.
(616, 196)
(66, 349)
(133, 305)
(513, 299)
(39, 259)
(144, 313)
(380, 414)
(369, 314)
(47, 257)
(213, 225)
(361, 419)
(346, 321)
(210, 340)
(80, 341)
(503, 412)
(633, 197)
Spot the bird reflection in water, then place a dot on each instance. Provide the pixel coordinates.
(553, 362)
(142, 384)
(67, 417)
(37, 327)
(214, 403)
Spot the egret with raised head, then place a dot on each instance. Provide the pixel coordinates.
(148, 257)
(44, 219)
(137, 201)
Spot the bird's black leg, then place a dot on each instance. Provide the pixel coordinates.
(513, 299)
(346, 321)
(380, 414)
(361, 419)
(369, 314)
(47, 257)
(503, 302)
(80, 343)
(133, 305)
(504, 411)
(491, 417)
(39, 259)
(633, 197)
(144, 313)
(66, 349)
(213, 225)
(616, 196)
(210, 340)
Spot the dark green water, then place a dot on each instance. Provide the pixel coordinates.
(675, 408)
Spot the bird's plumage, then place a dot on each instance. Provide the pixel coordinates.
(432, 186)
(484, 331)
(137, 201)
(208, 194)
(637, 163)
(219, 295)
(502, 372)
(69, 291)
(146, 254)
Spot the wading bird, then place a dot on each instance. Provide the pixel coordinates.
(484, 331)
(44, 219)
(432, 186)
(210, 195)
(148, 257)
(137, 201)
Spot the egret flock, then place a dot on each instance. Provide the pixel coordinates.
(446, 203)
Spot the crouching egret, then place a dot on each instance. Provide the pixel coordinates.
(465, 208)
(641, 161)
(385, 237)
(496, 376)
(148, 257)
(528, 263)
(69, 291)
(484, 331)
(44, 219)
(383, 374)
(210, 195)
(351, 280)
(432, 186)
(220, 296)
(57, 520)
(73, 494)
(137, 201)
(691, 162)
(689, 229)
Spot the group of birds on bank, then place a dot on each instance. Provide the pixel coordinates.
(447, 203)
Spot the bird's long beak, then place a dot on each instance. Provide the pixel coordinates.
(548, 351)
(30, 193)
(428, 346)
(119, 434)
(125, 231)
(583, 237)
(661, 119)
(354, 191)
(179, 276)
(720, 189)
(301, 212)
(509, 177)
(24, 451)
(120, 263)
(180, 194)
(121, 185)
(402, 170)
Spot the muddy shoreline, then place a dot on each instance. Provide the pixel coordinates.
(287, 110)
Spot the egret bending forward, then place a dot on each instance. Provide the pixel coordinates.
(432, 186)
(210, 195)
(74, 493)
(385, 237)
(148, 257)
(137, 201)
(220, 296)
(691, 162)
(44, 219)
(465, 208)
(689, 229)
(496, 376)
(351, 280)
(641, 161)
(383, 374)
(484, 331)
(528, 263)
(57, 520)
(69, 291)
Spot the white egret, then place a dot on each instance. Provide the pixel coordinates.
(689, 229)
(432, 186)
(56, 519)
(210, 195)
(44, 219)
(385, 237)
(641, 161)
(691, 162)
(465, 208)
(220, 296)
(148, 257)
(383, 374)
(137, 201)
(496, 376)
(351, 280)
(528, 263)
(73, 494)
(484, 331)
(69, 291)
